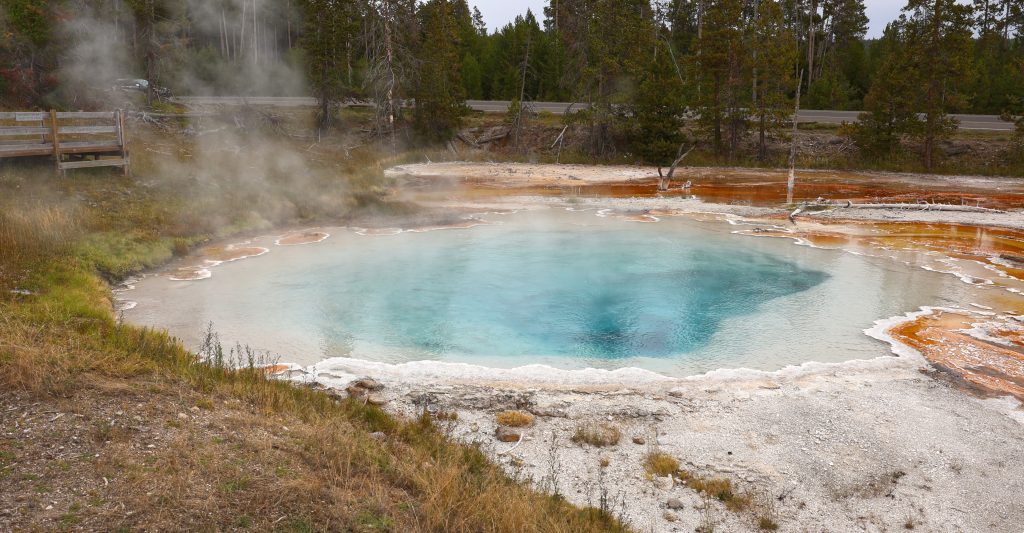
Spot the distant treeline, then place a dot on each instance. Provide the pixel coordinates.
(640, 63)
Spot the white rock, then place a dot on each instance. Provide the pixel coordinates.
(663, 483)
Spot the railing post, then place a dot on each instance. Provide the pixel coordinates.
(55, 130)
(122, 138)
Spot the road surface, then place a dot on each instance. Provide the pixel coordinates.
(967, 122)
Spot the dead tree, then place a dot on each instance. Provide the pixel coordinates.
(812, 29)
(665, 180)
(384, 76)
(791, 184)
(522, 110)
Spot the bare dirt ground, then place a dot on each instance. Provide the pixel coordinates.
(149, 455)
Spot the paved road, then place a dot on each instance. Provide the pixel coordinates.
(967, 122)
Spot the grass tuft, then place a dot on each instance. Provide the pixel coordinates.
(720, 489)
(597, 435)
(514, 419)
(661, 464)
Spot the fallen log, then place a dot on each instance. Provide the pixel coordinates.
(494, 136)
(467, 140)
(923, 206)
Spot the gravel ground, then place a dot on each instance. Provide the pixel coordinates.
(863, 446)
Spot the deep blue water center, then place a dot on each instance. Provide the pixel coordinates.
(609, 291)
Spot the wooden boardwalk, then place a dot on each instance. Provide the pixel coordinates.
(70, 138)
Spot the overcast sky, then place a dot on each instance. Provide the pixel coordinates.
(497, 13)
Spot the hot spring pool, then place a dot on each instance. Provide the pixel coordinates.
(565, 289)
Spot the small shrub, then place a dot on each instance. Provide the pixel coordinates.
(598, 435)
(720, 489)
(604, 462)
(514, 419)
(766, 516)
(661, 464)
(105, 431)
(707, 517)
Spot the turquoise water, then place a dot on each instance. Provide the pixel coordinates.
(565, 289)
(610, 292)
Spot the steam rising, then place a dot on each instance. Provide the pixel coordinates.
(201, 47)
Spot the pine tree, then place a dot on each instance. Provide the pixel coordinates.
(620, 38)
(513, 70)
(839, 79)
(889, 106)
(996, 57)
(720, 69)
(330, 27)
(774, 53)
(27, 31)
(938, 34)
(658, 109)
(568, 22)
(1016, 115)
(439, 92)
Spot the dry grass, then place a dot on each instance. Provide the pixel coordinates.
(766, 514)
(661, 464)
(597, 435)
(415, 480)
(29, 235)
(514, 419)
(721, 489)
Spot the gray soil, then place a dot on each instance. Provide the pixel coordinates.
(857, 447)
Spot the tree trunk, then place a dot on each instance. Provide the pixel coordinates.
(791, 183)
(812, 29)
(150, 37)
(665, 181)
(762, 148)
(241, 32)
(255, 37)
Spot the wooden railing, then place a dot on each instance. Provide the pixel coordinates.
(70, 138)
